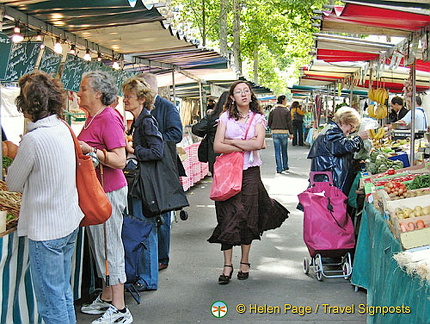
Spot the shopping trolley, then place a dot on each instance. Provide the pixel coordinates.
(328, 230)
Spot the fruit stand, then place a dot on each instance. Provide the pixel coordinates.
(392, 258)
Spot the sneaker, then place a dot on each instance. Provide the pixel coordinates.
(113, 315)
(97, 307)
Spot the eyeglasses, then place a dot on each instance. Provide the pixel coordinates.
(130, 97)
(239, 92)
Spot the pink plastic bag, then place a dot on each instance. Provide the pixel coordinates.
(326, 225)
(227, 177)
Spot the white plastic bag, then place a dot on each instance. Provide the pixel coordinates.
(368, 123)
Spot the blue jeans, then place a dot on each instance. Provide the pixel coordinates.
(164, 239)
(50, 266)
(148, 267)
(280, 143)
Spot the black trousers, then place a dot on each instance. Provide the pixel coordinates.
(298, 132)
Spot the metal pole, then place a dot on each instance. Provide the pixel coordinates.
(173, 87)
(414, 94)
(201, 100)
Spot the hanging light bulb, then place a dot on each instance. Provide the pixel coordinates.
(57, 47)
(39, 36)
(17, 37)
(115, 65)
(99, 56)
(87, 56)
(73, 49)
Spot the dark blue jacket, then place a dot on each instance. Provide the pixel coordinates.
(169, 121)
(333, 151)
(169, 124)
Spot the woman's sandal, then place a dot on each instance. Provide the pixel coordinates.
(223, 279)
(243, 275)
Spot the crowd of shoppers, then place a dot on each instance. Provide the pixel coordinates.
(45, 167)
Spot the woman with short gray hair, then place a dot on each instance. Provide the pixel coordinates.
(103, 137)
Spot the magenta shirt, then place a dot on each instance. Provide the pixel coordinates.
(236, 130)
(106, 132)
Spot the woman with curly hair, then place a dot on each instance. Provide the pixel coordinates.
(245, 216)
(44, 170)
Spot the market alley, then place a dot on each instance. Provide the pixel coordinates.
(189, 286)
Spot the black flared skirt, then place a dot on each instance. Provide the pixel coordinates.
(247, 215)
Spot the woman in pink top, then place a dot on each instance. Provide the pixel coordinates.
(103, 136)
(245, 216)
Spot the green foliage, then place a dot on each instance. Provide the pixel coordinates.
(279, 31)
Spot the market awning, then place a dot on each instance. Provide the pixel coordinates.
(369, 19)
(320, 74)
(138, 36)
(334, 48)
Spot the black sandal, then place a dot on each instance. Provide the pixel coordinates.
(243, 275)
(223, 279)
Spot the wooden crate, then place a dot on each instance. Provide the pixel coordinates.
(384, 198)
(415, 238)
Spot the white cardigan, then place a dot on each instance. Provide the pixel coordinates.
(44, 170)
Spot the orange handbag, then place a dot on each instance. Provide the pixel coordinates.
(93, 200)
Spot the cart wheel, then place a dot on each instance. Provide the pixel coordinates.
(306, 265)
(318, 267)
(346, 268)
(183, 215)
(319, 275)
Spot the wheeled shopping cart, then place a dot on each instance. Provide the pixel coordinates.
(328, 230)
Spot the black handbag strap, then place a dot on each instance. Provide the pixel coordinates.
(330, 209)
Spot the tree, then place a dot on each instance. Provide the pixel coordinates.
(271, 38)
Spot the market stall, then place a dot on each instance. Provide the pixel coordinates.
(404, 295)
(392, 259)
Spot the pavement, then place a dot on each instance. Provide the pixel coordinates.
(277, 289)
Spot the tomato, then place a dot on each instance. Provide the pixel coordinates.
(420, 224)
(391, 171)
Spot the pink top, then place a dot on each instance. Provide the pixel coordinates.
(106, 131)
(236, 130)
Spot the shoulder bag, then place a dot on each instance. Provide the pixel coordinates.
(93, 200)
(156, 183)
(228, 174)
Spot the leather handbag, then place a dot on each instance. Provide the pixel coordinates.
(202, 151)
(228, 174)
(93, 200)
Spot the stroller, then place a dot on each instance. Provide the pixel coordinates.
(328, 231)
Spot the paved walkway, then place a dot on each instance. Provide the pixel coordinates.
(277, 289)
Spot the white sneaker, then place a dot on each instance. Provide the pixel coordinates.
(113, 316)
(97, 307)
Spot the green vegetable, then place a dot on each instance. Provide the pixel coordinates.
(382, 168)
(420, 181)
(7, 161)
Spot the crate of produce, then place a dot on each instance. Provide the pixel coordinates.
(410, 221)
